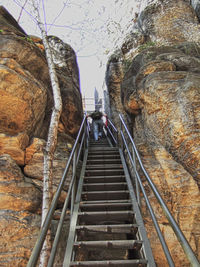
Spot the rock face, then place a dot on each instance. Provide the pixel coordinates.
(160, 94)
(20, 202)
(67, 69)
(168, 22)
(25, 108)
(165, 95)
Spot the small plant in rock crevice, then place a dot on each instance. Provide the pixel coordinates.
(146, 45)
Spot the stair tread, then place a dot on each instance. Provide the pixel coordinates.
(105, 156)
(120, 228)
(111, 165)
(121, 192)
(105, 160)
(94, 184)
(106, 217)
(128, 244)
(113, 263)
(105, 201)
(106, 212)
(106, 177)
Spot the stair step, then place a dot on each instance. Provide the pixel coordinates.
(105, 195)
(112, 263)
(103, 161)
(110, 244)
(104, 172)
(109, 229)
(103, 156)
(103, 166)
(104, 186)
(108, 148)
(105, 206)
(104, 179)
(106, 201)
(104, 217)
(99, 151)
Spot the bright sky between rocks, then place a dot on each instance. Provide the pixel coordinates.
(89, 26)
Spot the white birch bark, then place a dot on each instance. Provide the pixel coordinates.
(51, 140)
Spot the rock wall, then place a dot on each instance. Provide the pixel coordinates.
(159, 91)
(25, 109)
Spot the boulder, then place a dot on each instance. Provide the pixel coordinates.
(34, 158)
(22, 101)
(169, 22)
(14, 146)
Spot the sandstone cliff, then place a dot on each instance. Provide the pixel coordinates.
(154, 79)
(25, 109)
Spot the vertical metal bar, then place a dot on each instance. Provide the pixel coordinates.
(121, 131)
(73, 193)
(136, 180)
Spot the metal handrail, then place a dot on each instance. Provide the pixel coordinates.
(180, 236)
(73, 159)
(112, 130)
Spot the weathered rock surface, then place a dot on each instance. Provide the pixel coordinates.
(162, 89)
(68, 73)
(20, 202)
(26, 88)
(165, 88)
(169, 22)
(22, 101)
(14, 146)
(34, 160)
(114, 77)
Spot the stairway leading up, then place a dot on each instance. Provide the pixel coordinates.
(106, 226)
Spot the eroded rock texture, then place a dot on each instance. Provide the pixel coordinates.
(160, 92)
(25, 108)
(20, 203)
(164, 92)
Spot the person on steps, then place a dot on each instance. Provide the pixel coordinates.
(97, 124)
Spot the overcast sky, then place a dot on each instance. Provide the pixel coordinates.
(83, 25)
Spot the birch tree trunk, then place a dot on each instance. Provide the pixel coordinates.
(51, 140)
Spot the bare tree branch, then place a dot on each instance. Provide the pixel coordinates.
(21, 11)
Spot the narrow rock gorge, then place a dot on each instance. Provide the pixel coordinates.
(25, 108)
(153, 79)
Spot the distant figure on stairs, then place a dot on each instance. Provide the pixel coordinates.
(97, 124)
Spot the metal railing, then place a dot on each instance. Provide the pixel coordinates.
(112, 132)
(79, 146)
(134, 158)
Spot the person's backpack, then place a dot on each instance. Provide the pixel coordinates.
(96, 115)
